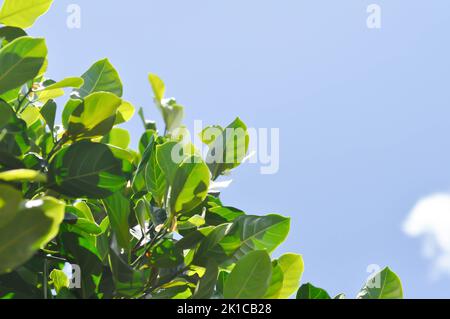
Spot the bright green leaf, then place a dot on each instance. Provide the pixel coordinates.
(23, 13)
(10, 199)
(190, 185)
(250, 278)
(59, 280)
(124, 113)
(23, 175)
(95, 117)
(32, 227)
(291, 266)
(118, 137)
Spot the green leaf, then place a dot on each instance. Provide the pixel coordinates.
(308, 291)
(86, 169)
(142, 212)
(32, 227)
(15, 141)
(59, 280)
(227, 150)
(23, 175)
(30, 115)
(250, 233)
(223, 276)
(79, 219)
(171, 112)
(383, 285)
(51, 89)
(9, 34)
(193, 238)
(190, 185)
(95, 117)
(118, 137)
(124, 113)
(23, 13)
(155, 178)
(205, 286)
(250, 277)
(166, 255)
(81, 251)
(82, 226)
(10, 199)
(21, 61)
(210, 134)
(176, 289)
(291, 266)
(71, 82)
(276, 281)
(166, 161)
(118, 210)
(128, 281)
(158, 86)
(220, 214)
(145, 140)
(48, 112)
(101, 77)
(173, 115)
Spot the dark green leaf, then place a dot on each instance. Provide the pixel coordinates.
(205, 286)
(118, 210)
(48, 112)
(86, 169)
(20, 61)
(9, 34)
(308, 291)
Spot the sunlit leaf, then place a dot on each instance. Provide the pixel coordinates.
(23, 175)
(32, 227)
(23, 13)
(250, 278)
(101, 77)
(94, 117)
(226, 150)
(190, 185)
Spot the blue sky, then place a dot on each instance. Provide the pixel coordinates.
(363, 114)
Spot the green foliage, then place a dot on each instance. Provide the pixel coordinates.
(139, 224)
(21, 61)
(308, 291)
(250, 278)
(384, 284)
(23, 13)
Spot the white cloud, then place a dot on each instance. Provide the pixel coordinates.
(430, 219)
